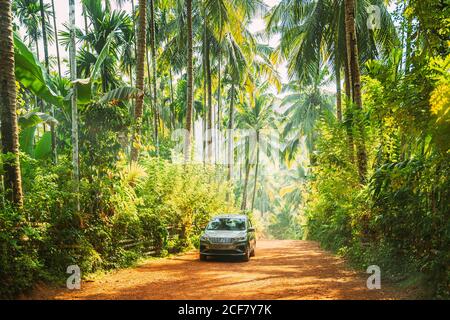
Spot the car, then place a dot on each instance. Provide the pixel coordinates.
(228, 235)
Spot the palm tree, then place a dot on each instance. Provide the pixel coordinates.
(314, 32)
(8, 115)
(29, 14)
(255, 114)
(355, 75)
(302, 109)
(55, 29)
(74, 107)
(44, 33)
(140, 65)
(108, 29)
(47, 67)
(154, 67)
(190, 76)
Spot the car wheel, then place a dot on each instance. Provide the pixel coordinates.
(247, 255)
(203, 257)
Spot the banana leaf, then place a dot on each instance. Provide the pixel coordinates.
(31, 74)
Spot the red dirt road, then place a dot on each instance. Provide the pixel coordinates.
(281, 270)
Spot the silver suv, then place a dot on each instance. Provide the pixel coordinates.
(228, 235)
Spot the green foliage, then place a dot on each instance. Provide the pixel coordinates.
(19, 263)
(32, 75)
(125, 213)
(284, 226)
(400, 220)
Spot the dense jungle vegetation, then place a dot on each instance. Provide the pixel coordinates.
(116, 131)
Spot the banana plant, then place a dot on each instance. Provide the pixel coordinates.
(28, 123)
(32, 76)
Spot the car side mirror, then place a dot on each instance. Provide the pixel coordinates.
(251, 229)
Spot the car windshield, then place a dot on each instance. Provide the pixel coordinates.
(230, 224)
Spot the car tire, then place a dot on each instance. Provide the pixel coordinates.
(203, 257)
(246, 257)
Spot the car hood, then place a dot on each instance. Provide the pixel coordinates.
(224, 234)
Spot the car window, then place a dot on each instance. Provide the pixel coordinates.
(228, 224)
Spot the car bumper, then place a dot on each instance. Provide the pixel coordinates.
(212, 249)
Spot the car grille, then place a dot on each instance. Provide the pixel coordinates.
(221, 240)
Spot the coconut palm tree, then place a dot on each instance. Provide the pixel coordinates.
(154, 67)
(73, 104)
(35, 18)
(8, 114)
(55, 29)
(355, 75)
(255, 114)
(314, 32)
(140, 65)
(302, 109)
(109, 29)
(190, 79)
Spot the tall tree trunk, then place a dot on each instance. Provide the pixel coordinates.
(133, 11)
(39, 103)
(205, 109)
(219, 88)
(230, 134)
(190, 84)
(131, 75)
(209, 96)
(47, 68)
(352, 51)
(55, 28)
(409, 48)
(139, 109)
(37, 47)
(44, 34)
(349, 110)
(247, 174)
(338, 93)
(9, 126)
(256, 170)
(73, 77)
(172, 109)
(154, 66)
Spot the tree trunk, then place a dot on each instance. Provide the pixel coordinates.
(219, 88)
(338, 93)
(205, 110)
(44, 34)
(230, 135)
(256, 170)
(47, 68)
(352, 51)
(9, 127)
(349, 110)
(140, 63)
(58, 57)
(172, 109)
(209, 96)
(247, 173)
(154, 66)
(190, 84)
(73, 77)
(133, 12)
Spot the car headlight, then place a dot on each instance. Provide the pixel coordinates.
(204, 238)
(240, 239)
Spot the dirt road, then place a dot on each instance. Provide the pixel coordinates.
(280, 270)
